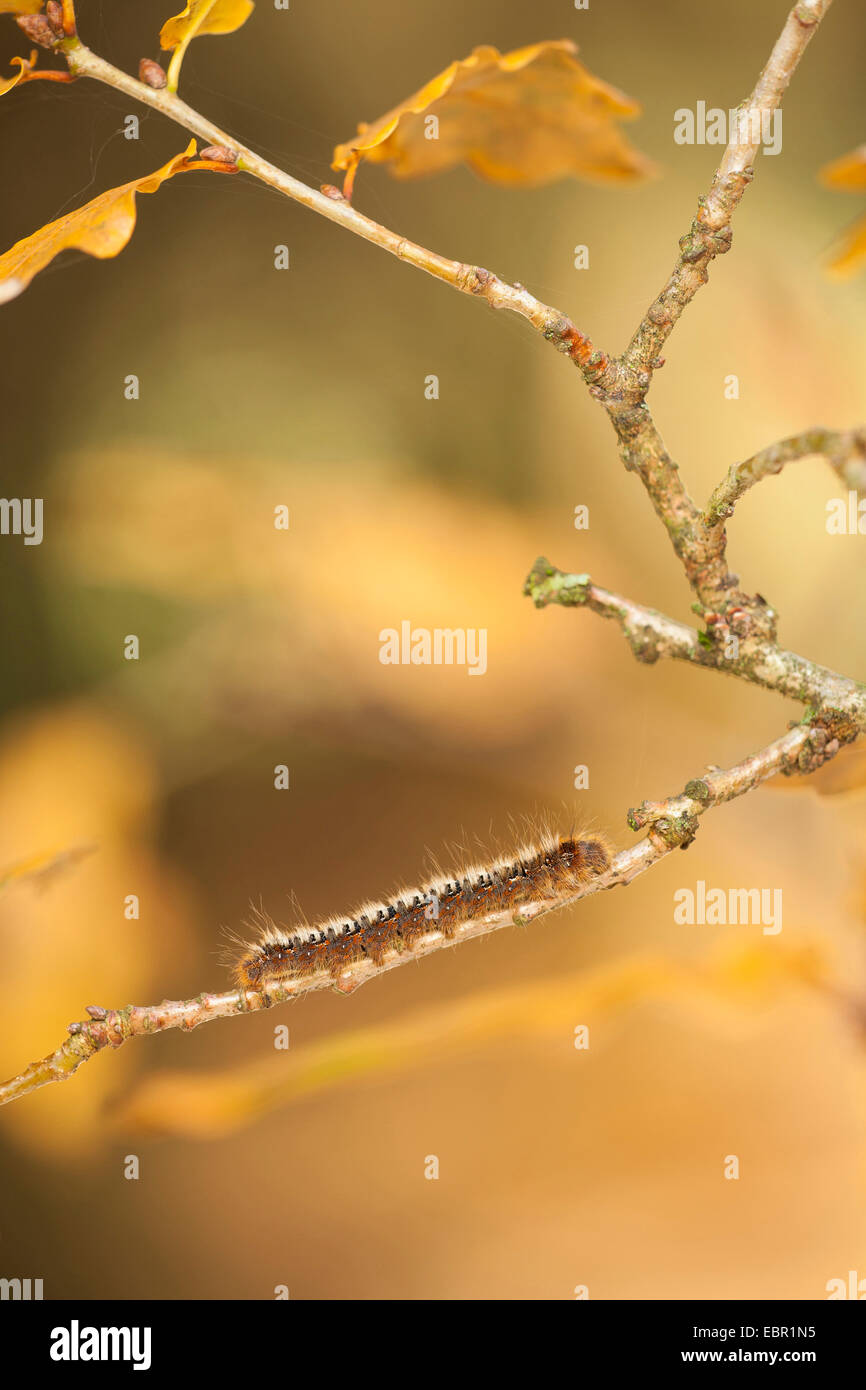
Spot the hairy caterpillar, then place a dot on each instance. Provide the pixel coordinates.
(552, 868)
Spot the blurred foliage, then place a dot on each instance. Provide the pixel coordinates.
(259, 647)
(69, 776)
(725, 993)
(849, 174)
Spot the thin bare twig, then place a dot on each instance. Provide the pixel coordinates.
(844, 450)
(652, 635)
(710, 232)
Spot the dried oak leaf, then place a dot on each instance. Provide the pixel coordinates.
(522, 118)
(102, 228)
(204, 17)
(848, 173)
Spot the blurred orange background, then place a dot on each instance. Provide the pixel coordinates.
(558, 1167)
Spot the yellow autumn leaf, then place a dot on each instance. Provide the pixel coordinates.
(522, 118)
(7, 83)
(850, 255)
(205, 17)
(20, 6)
(102, 228)
(200, 17)
(69, 938)
(849, 174)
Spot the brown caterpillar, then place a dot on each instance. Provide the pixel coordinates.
(552, 868)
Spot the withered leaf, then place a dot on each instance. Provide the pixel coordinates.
(200, 17)
(7, 83)
(522, 118)
(101, 228)
(204, 17)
